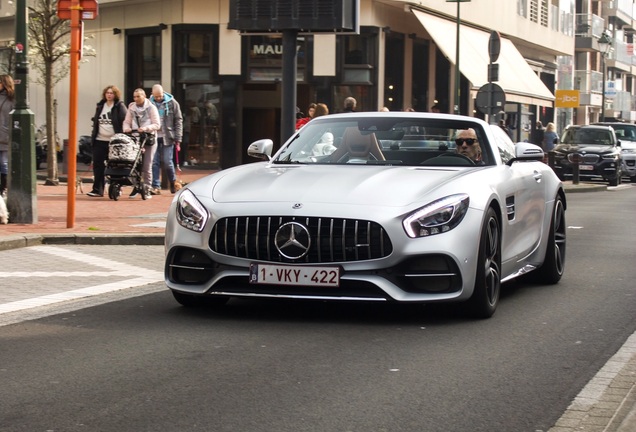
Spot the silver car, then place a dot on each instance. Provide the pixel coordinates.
(371, 207)
(626, 134)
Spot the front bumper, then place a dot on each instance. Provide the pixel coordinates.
(604, 168)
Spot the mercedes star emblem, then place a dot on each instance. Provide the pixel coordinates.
(292, 240)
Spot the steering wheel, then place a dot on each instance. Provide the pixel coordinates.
(447, 159)
(460, 156)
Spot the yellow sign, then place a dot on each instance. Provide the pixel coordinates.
(567, 99)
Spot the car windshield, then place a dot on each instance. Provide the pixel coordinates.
(587, 136)
(625, 133)
(380, 140)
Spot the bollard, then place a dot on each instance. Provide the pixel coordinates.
(575, 159)
(64, 157)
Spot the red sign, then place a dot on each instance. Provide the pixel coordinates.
(88, 9)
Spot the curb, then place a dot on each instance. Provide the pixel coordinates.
(26, 240)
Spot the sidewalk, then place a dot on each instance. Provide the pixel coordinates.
(97, 220)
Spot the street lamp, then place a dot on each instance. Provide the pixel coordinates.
(457, 73)
(605, 45)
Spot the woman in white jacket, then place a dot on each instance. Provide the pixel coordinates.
(143, 116)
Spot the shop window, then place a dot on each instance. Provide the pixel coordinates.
(193, 54)
(265, 58)
(357, 70)
(394, 72)
(199, 93)
(358, 59)
(143, 59)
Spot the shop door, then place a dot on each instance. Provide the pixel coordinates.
(200, 104)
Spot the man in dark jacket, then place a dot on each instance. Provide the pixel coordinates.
(537, 134)
(168, 137)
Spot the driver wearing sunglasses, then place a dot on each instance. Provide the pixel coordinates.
(467, 144)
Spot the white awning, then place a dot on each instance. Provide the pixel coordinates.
(520, 83)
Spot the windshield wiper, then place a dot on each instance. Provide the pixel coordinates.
(288, 162)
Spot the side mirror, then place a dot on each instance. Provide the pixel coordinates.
(261, 149)
(527, 152)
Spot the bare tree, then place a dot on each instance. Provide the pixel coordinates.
(49, 49)
(49, 39)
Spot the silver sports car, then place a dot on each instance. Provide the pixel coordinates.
(406, 207)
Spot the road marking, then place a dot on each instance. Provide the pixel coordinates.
(77, 294)
(142, 276)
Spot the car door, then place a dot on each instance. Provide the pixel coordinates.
(521, 185)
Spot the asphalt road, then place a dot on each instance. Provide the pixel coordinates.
(146, 364)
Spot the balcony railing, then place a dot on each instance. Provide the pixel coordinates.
(588, 81)
(623, 6)
(589, 25)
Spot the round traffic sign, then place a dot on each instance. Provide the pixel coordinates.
(483, 100)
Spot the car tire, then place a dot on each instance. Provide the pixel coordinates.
(189, 300)
(485, 298)
(632, 179)
(554, 263)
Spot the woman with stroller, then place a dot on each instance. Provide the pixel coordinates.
(107, 121)
(143, 117)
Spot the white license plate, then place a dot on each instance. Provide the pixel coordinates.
(586, 167)
(294, 275)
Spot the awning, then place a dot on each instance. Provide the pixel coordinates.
(516, 77)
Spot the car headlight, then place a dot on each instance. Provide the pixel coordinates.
(612, 156)
(628, 151)
(437, 217)
(191, 214)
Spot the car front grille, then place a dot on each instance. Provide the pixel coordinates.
(332, 239)
(590, 158)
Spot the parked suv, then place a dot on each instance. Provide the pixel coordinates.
(594, 148)
(626, 134)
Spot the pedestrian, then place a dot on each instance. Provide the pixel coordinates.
(435, 108)
(168, 137)
(143, 117)
(502, 125)
(310, 114)
(350, 104)
(107, 121)
(321, 110)
(550, 137)
(537, 134)
(7, 99)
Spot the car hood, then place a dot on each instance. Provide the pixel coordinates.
(353, 185)
(584, 148)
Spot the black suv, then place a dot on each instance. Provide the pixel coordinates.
(594, 148)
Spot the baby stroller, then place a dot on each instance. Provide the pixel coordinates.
(124, 165)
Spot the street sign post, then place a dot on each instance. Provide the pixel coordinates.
(494, 93)
(75, 10)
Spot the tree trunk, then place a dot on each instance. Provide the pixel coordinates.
(51, 157)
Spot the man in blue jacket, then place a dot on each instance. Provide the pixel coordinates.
(168, 137)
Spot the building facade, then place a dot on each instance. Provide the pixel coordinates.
(604, 68)
(229, 83)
